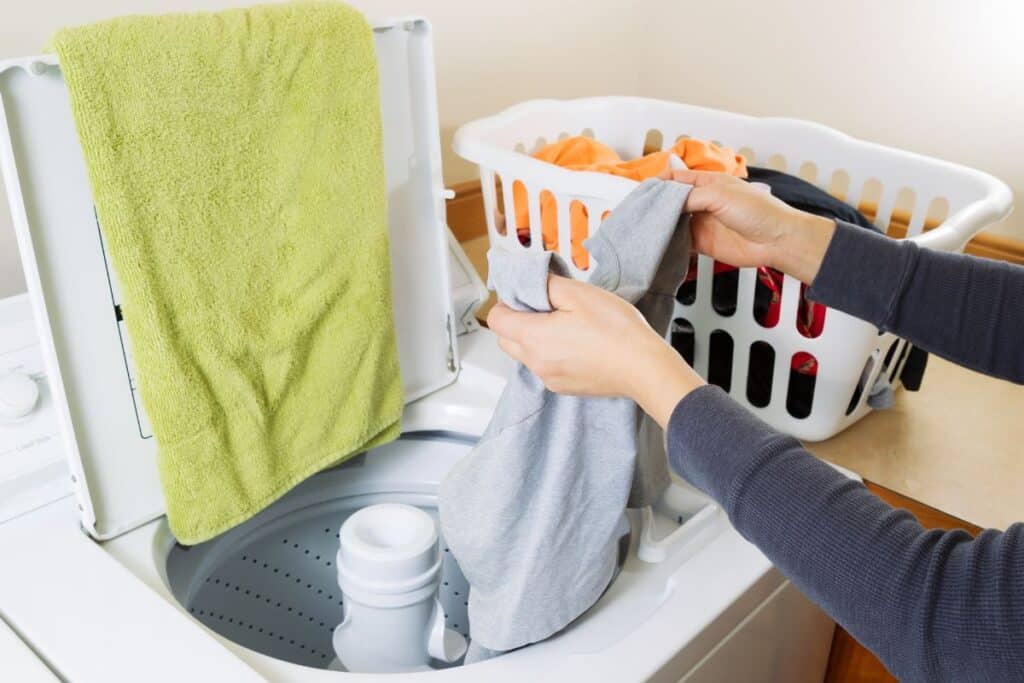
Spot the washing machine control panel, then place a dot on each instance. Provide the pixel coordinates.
(32, 466)
(19, 396)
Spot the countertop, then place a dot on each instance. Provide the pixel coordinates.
(956, 445)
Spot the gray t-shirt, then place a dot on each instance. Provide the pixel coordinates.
(535, 513)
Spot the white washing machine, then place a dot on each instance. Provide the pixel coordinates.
(93, 587)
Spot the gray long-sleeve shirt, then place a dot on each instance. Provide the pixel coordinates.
(932, 605)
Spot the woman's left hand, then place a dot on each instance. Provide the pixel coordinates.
(595, 344)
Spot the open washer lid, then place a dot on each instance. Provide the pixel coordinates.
(112, 453)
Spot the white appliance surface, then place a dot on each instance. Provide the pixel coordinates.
(703, 604)
(19, 662)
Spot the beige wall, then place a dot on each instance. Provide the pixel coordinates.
(936, 76)
(943, 78)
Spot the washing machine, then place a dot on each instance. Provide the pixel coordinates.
(94, 587)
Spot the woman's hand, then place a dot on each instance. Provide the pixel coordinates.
(595, 344)
(740, 224)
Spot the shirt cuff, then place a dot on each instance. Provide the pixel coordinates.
(716, 444)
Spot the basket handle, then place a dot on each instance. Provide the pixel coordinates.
(958, 229)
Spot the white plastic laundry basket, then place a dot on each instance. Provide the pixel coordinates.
(853, 356)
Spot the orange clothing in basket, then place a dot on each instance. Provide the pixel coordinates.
(586, 154)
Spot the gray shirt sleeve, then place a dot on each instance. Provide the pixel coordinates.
(933, 605)
(966, 309)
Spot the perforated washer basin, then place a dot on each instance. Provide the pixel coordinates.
(271, 585)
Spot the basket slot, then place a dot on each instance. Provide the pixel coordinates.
(856, 190)
(839, 184)
(937, 212)
(721, 359)
(808, 171)
(762, 364)
(724, 293)
(681, 337)
(870, 197)
(905, 200)
(801, 392)
(654, 141)
(777, 162)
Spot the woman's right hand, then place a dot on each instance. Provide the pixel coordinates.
(740, 224)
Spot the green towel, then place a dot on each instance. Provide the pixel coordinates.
(237, 170)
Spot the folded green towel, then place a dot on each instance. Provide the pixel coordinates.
(236, 165)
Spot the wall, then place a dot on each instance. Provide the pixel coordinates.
(936, 76)
(943, 78)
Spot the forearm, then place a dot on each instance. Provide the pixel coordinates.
(932, 605)
(802, 246)
(660, 378)
(960, 307)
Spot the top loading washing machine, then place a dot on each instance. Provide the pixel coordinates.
(97, 585)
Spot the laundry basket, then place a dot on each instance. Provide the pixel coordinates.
(942, 204)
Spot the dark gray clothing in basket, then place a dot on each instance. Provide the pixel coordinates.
(534, 514)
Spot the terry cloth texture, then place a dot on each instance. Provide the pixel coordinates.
(236, 166)
(933, 605)
(534, 514)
